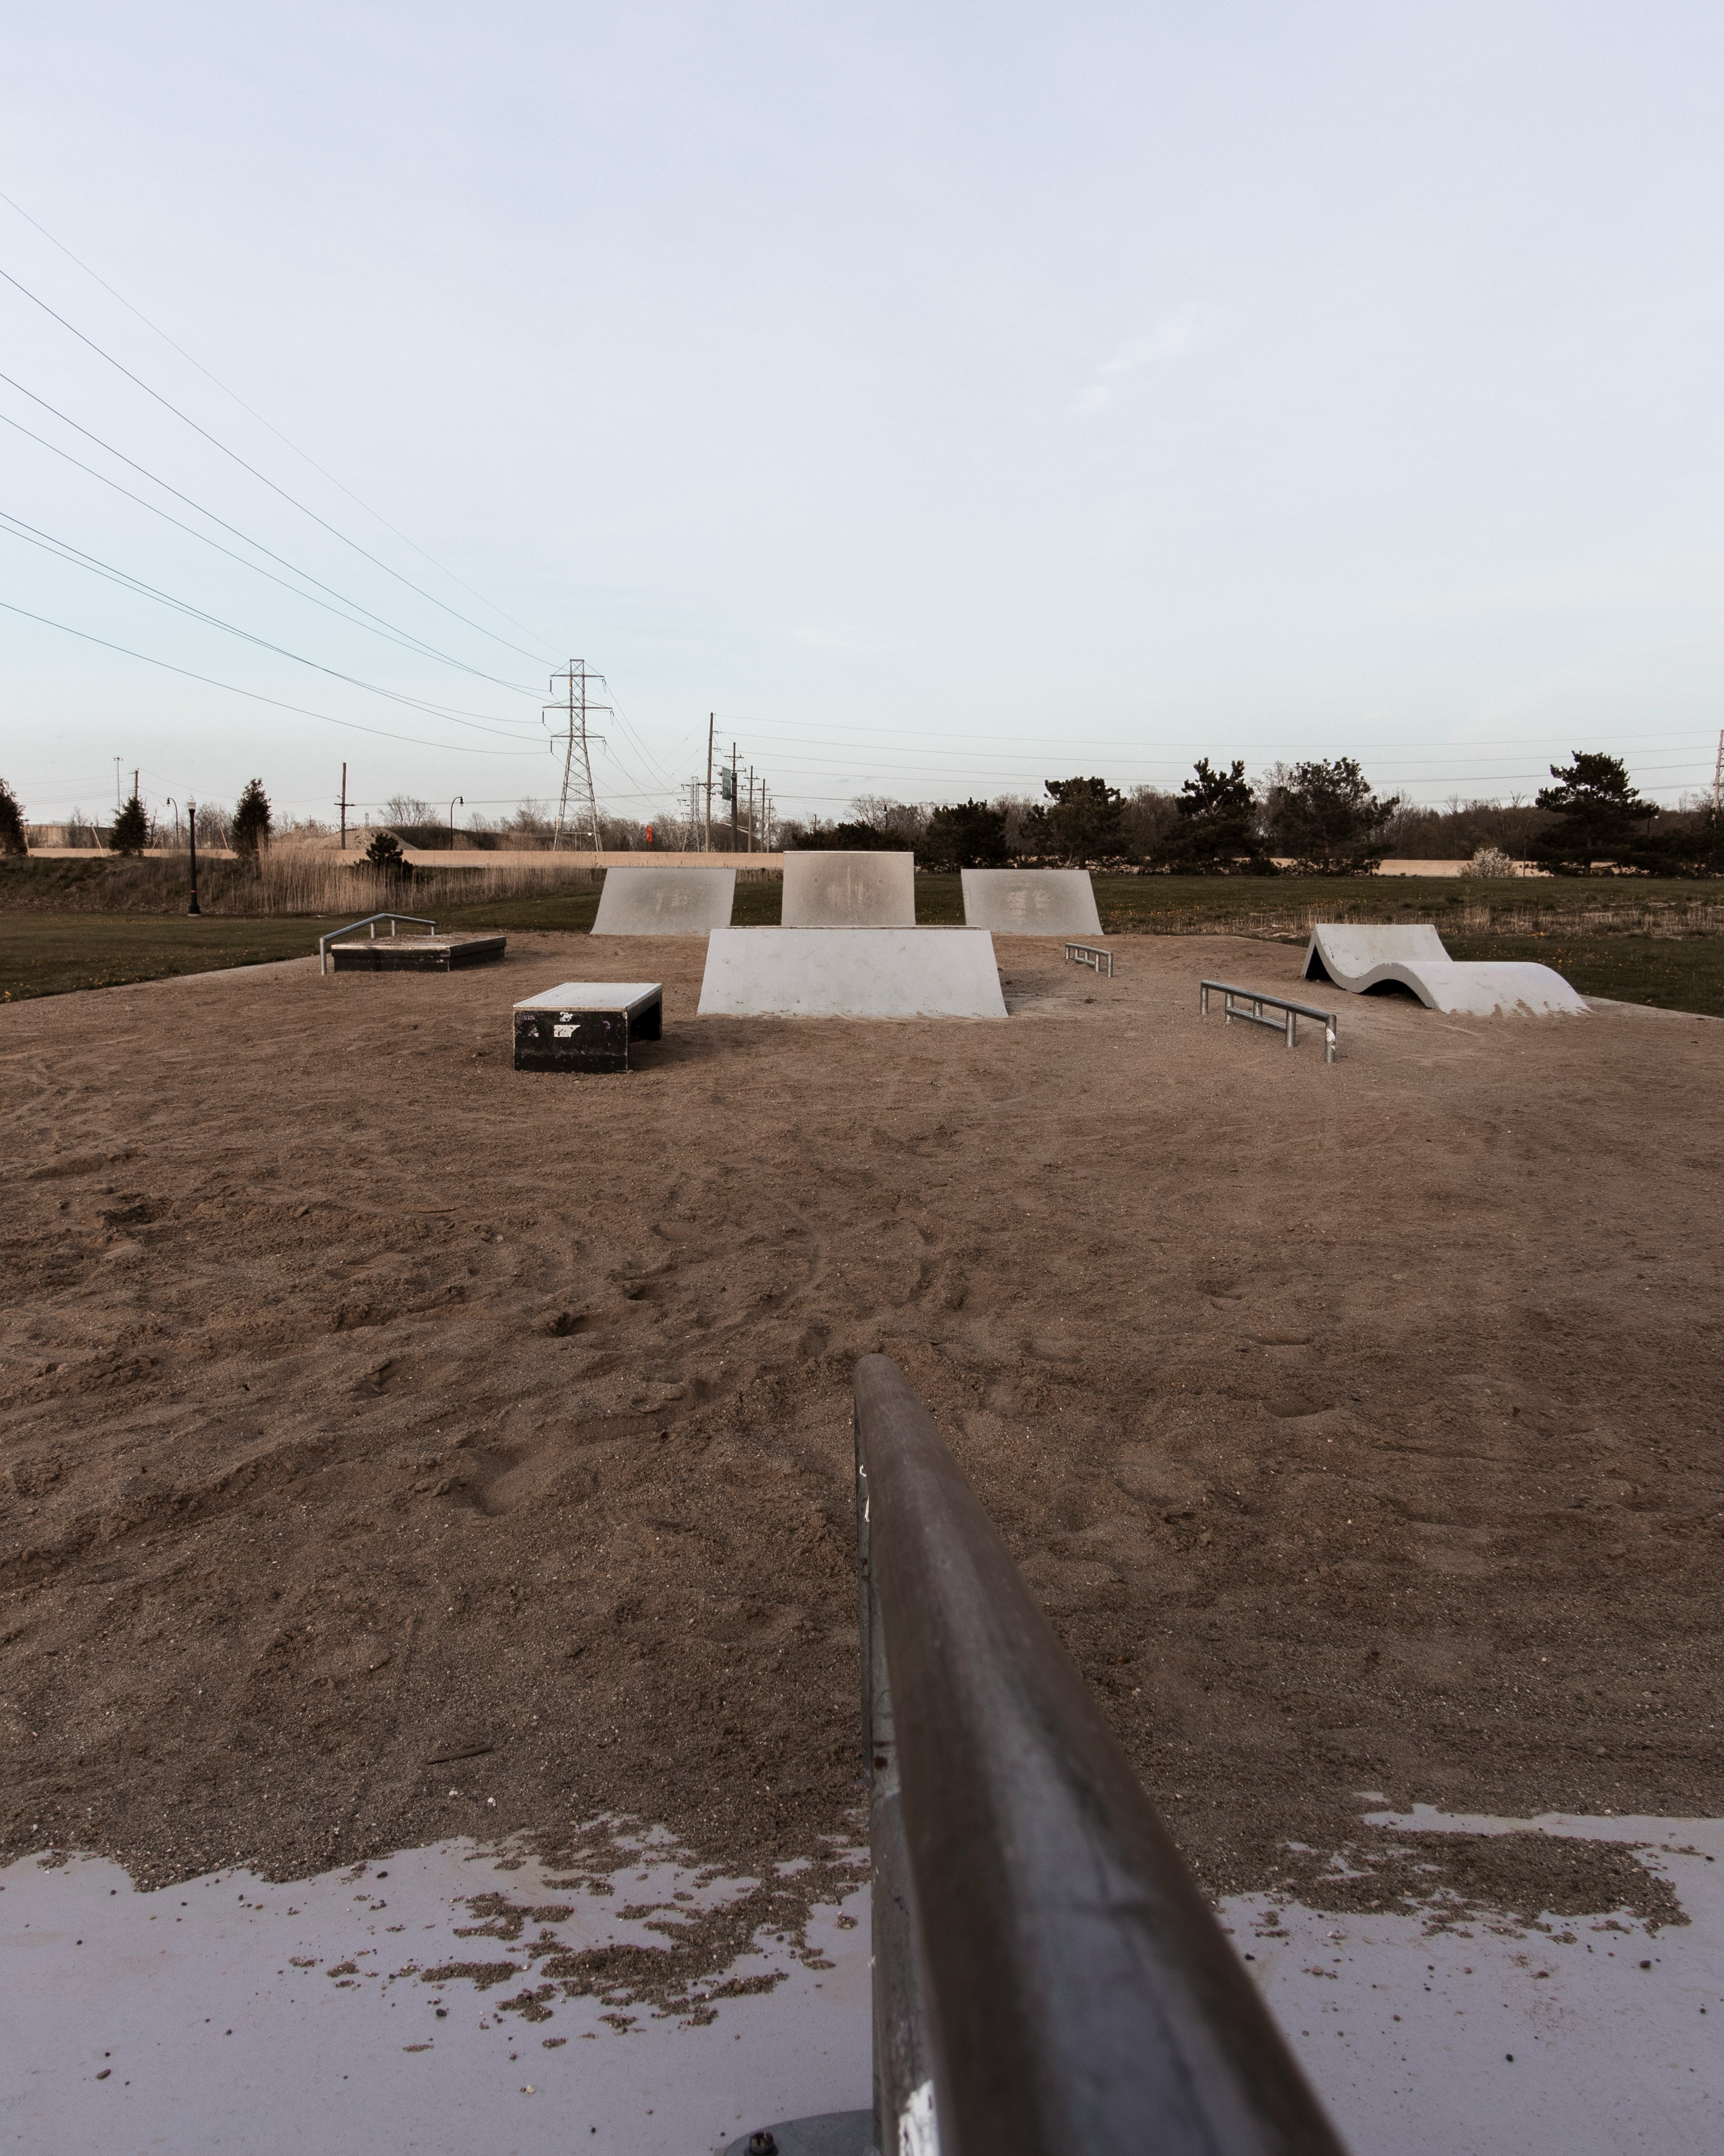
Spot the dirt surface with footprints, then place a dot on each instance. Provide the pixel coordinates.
(393, 1447)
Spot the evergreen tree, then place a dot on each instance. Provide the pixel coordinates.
(249, 830)
(131, 833)
(1083, 823)
(11, 822)
(968, 835)
(384, 854)
(1598, 809)
(1218, 831)
(1327, 816)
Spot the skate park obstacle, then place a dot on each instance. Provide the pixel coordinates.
(1047, 1977)
(587, 1025)
(404, 954)
(855, 890)
(1091, 954)
(1361, 955)
(851, 972)
(1031, 901)
(1256, 1015)
(664, 901)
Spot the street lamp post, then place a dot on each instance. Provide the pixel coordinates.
(192, 833)
(462, 799)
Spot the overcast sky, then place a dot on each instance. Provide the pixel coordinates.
(949, 397)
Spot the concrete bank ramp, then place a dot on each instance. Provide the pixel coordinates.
(667, 901)
(1361, 955)
(851, 972)
(849, 890)
(1031, 901)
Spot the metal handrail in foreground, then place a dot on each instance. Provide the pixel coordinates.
(1259, 997)
(1047, 1977)
(370, 921)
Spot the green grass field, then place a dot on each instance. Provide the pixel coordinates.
(1598, 935)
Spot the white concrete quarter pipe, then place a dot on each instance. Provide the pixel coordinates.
(667, 901)
(849, 890)
(851, 972)
(1031, 901)
(1360, 956)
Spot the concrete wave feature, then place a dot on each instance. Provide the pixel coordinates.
(1362, 956)
(1031, 901)
(667, 901)
(851, 972)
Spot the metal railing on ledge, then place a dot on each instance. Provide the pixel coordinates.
(370, 921)
(1288, 1025)
(1090, 954)
(1047, 1978)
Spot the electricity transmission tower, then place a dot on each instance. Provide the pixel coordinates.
(574, 707)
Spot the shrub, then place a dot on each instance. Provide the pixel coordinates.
(11, 822)
(131, 833)
(384, 856)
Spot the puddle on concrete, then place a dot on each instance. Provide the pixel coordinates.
(233, 2013)
(1577, 2036)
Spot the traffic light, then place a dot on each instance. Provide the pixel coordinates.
(649, 834)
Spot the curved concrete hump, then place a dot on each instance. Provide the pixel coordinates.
(853, 973)
(1362, 955)
(1031, 901)
(667, 901)
(849, 890)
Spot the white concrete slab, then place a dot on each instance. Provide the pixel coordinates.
(849, 890)
(231, 2013)
(593, 996)
(1031, 901)
(851, 972)
(1360, 956)
(667, 901)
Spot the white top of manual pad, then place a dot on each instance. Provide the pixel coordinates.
(594, 996)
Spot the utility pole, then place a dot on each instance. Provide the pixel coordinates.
(117, 781)
(734, 847)
(191, 829)
(577, 761)
(707, 847)
(751, 807)
(342, 805)
(1718, 776)
(694, 812)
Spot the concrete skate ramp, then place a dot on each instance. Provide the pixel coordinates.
(1031, 901)
(667, 901)
(849, 890)
(851, 972)
(1359, 957)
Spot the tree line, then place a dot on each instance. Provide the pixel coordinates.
(1318, 817)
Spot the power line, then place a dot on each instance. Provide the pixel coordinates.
(66, 420)
(263, 478)
(352, 726)
(404, 639)
(63, 550)
(268, 425)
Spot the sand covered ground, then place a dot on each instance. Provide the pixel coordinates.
(392, 1446)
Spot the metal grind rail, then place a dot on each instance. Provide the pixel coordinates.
(370, 921)
(1090, 954)
(1258, 997)
(1047, 1978)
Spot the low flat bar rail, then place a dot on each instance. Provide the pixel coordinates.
(1090, 954)
(1049, 1979)
(1259, 997)
(370, 921)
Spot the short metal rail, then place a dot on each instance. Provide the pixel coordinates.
(370, 921)
(1048, 1977)
(1255, 1016)
(1091, 954)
